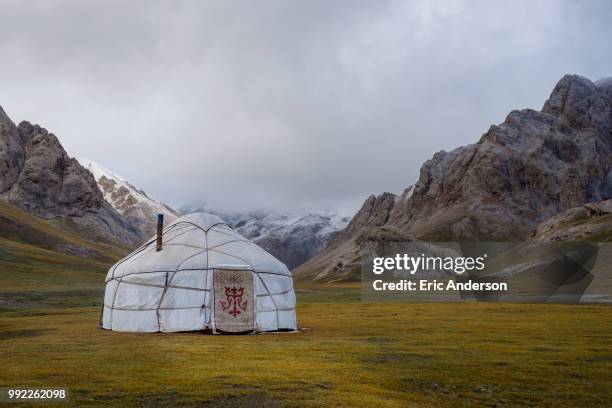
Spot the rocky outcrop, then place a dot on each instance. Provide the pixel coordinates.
(590, 222)
(521, 172)
(12, 152)
(38, 176)
(374, 212)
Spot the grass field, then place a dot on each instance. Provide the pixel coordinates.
(348, 354)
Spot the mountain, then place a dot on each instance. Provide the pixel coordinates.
(293, 237)
(136, 206)
(520, 173)
(37, 176)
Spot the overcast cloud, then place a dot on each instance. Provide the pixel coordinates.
(285, 104)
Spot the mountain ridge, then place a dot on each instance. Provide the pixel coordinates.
(38, 176)
(519, 173)
(135, 205)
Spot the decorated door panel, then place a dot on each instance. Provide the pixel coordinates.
(234, 301)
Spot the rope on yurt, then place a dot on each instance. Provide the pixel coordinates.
(206, 284)
(271, 297)
(169, 281)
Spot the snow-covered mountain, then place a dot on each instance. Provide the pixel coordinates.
(292, 237)
(136, 206)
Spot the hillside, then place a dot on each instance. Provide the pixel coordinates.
(42, 264)
(20, 228)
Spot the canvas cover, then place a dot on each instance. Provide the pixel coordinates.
(172, 289)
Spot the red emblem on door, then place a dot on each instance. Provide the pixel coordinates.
(234, 301)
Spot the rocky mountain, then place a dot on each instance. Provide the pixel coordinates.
(293, 237)
(136, 206)
(520, 173)
(37, 175)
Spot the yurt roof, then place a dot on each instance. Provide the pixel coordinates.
(194, 242)
(202, 220)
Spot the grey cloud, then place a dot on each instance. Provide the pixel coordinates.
(285, 104)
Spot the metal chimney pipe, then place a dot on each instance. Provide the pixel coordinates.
(160, 227)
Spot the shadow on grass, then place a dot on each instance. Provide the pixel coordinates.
(173, 399)
(13, 334)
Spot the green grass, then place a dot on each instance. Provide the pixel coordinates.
(348, 354)
(20, 228)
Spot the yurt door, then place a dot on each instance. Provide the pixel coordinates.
(234, 301)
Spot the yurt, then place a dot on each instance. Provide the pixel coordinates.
(199, 274)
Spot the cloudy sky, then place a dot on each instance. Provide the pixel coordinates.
(285, 104)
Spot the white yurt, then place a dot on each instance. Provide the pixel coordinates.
(199, 274)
